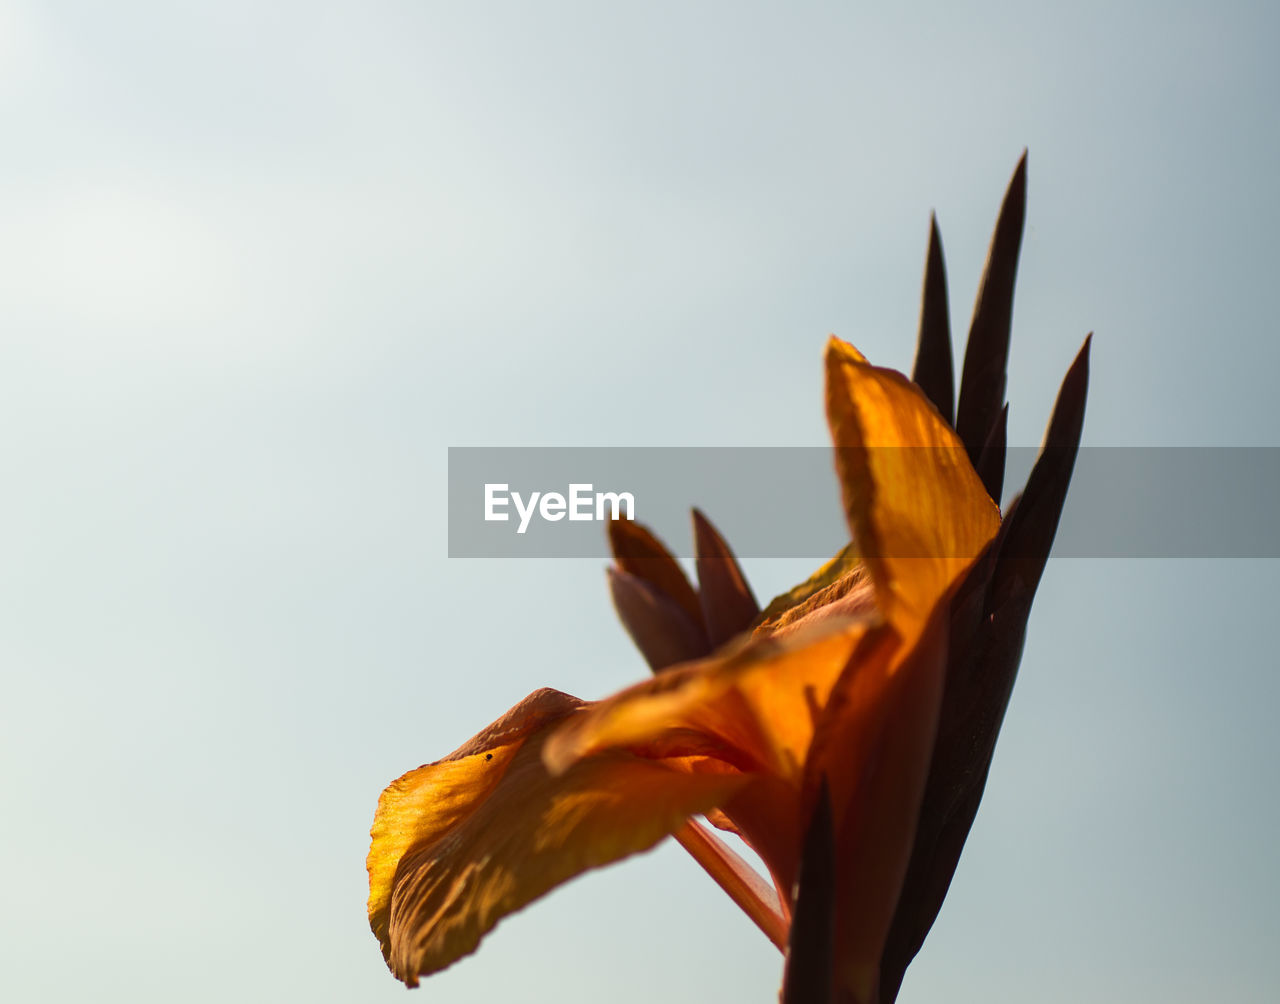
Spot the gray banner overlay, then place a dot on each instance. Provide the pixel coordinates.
(784, 502)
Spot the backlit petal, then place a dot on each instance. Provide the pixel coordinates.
(754, 708)
(837, 568)
(917, 510)
(759, 702)
(852, 594)
(461, 843)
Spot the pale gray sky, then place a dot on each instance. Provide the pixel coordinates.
(263, 264)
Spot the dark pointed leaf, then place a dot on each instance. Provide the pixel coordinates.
(990, 465)
(638, 552)
(988, 626)
(1027, 535)
(661, 630)
(808, 976)
(728, 605)
(986, 356)
(934, 372)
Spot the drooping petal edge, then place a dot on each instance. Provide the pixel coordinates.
(459, 844)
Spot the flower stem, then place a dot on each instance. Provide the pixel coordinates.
(737, 878)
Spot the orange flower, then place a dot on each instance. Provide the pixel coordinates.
(844, 732)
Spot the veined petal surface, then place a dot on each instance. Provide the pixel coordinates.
(754, 708)
(461, 843)
(917, 510)
(757, 704)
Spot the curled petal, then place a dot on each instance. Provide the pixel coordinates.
(754, 709)
(844, 565)
(461, 843)
(851, 595)
(458, 783)
(758, 703)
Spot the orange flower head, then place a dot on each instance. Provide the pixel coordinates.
(844, 732)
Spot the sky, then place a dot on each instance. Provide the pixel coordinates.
(264, 264)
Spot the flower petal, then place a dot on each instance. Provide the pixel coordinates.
(917, 510)
(460, 781)
(461, 843)
(754, 708)
(853, 594)
(782, 607)
(758, 703)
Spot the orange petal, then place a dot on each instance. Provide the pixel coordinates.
(853, 594)
(842, 565)
(757, 703)
(754, 708)
(461, 843)
(917, 510)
